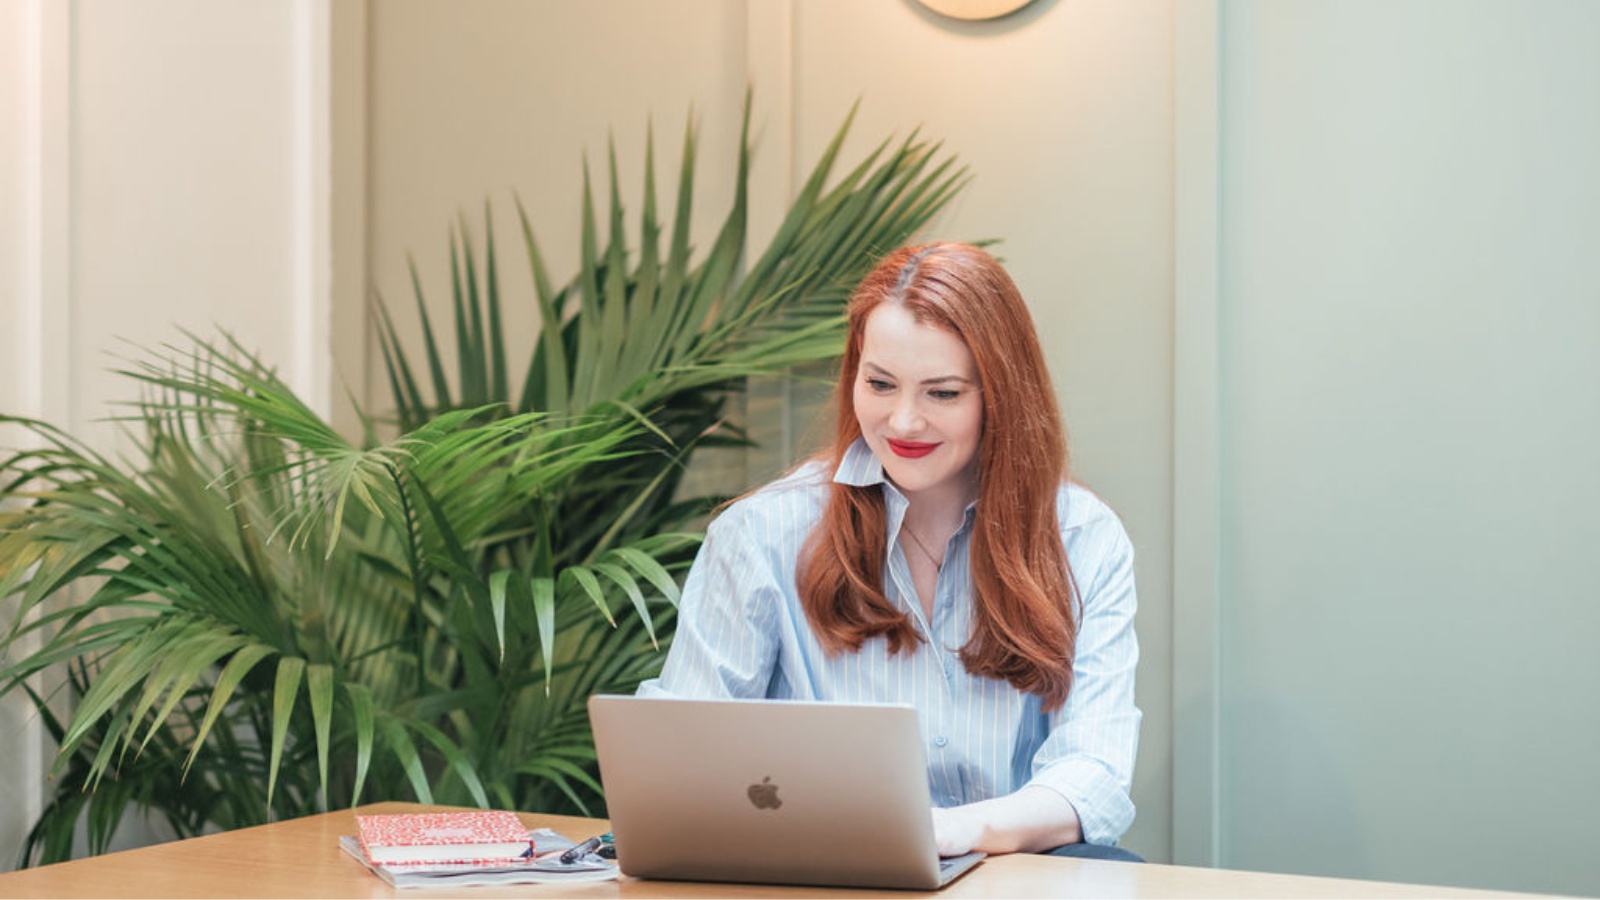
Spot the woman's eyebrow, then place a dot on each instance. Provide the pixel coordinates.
(939, 379)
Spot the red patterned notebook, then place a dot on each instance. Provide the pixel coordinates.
(489, 836)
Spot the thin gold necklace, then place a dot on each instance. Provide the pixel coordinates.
(938, 564)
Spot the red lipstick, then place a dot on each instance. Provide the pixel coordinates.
(911, 449)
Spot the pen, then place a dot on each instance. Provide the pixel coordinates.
(576, 853)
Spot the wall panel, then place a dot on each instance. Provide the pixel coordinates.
(22, 29)
(163, 167)
(188, 183)
(484, 101)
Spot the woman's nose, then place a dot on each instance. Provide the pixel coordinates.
(906, 417)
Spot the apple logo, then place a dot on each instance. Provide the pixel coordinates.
(765, 794)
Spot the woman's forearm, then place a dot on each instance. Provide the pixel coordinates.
(1029, 821)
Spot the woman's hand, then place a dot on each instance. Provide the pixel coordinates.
(956, 830)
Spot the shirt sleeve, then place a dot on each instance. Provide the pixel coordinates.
(724, 645)
(1089, 753)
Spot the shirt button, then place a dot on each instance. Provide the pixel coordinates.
(940, 741)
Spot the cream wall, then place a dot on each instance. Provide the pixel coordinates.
(198, 183)
(171, 157)
(487, 100)
(163, 165)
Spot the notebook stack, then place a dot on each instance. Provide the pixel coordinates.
(463, 848)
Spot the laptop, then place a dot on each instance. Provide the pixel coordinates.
(769, 792)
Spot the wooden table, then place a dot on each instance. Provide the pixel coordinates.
(301, 858)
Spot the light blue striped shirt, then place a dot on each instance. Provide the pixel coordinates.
(742, 633)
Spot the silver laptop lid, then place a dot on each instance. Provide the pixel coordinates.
(767, 791)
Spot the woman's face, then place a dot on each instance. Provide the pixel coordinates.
(918, 402)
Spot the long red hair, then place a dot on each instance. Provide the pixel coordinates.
(1025, 628)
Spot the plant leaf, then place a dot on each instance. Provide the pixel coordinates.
(290, 669)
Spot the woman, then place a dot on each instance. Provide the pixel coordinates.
(936, 555)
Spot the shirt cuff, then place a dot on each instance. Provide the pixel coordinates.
(1104, 809)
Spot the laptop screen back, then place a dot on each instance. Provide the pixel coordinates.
(769, 791)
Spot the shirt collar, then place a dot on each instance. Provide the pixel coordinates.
(860, 466)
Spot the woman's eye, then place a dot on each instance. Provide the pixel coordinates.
(945, 396)
(878, 385)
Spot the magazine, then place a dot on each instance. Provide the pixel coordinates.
(546, 868)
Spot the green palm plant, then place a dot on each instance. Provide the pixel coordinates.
(656, 333)
(259, 618)
(278, 598)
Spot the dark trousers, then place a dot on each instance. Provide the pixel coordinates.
(1095, 851)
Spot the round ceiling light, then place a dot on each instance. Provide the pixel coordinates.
(975, 9)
